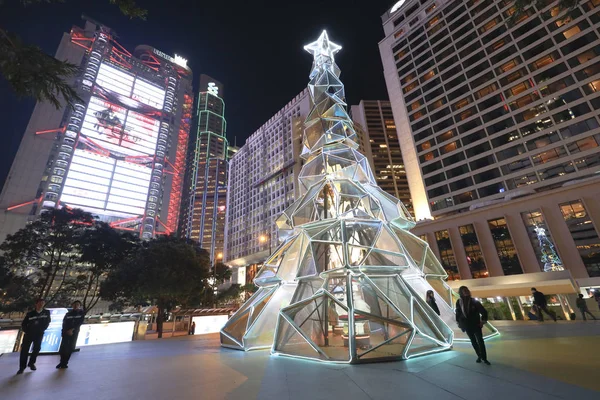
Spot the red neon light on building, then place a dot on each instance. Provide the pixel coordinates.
(23, 204)
(179, 164)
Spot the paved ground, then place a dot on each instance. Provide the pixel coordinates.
(530, 361)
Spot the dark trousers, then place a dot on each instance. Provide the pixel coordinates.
(584, 311)
(26, 344)
(67, 345)
(476, 337)
(548, 312)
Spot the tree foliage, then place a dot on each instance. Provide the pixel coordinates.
(15, 293)
(165, 271)
(101, 250)
(32, 73)
(46, 251)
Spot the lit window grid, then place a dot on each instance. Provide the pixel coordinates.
(253, 206)
(510, 113)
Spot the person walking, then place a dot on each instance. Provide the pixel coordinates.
(430, 299)
(539, 300)
(471, 316)
(34, 324)
(70, 330)
(580, 302)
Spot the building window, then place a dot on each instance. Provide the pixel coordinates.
(505, 247)
(584, 234)
(541, 240)
(447, 254)
(473, 251)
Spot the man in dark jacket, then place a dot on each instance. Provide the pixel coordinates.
(70, 330)
(471, 316)
(539, 300)
(33, 326)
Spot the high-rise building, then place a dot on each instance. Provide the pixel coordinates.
(119, 154)
(206, 208)
(487, 107)
(262, 183)
(497, 118)
(378, 140)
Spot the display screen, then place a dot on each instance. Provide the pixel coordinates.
(7, 340)
(112, 159)
(209, 323)
(104, 333)
(52, 335)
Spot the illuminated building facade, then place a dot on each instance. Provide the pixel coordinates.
(486, 108)
(499, 130)
(120, 154)
(262, 183)
(206, 208)
(378, 140)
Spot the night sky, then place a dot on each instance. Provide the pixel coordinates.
(253, 48)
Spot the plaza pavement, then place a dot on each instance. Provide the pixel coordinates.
(529, 361)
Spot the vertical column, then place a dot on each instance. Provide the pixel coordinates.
(433, 244)
(564, 242)
(521, 308)
(522, 243)
(488, 248)
(592, 206)
(510, 307)
(459, 253)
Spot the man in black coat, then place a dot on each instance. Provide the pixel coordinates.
(34, 324)
(471, 316)
(539, 300)
(70, 330)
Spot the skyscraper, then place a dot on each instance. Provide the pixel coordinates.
(488, 107)
(378, 140)
(262, 183)
(120, 153)
(206, 207)
(497, 118)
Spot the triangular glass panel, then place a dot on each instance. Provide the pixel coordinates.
(387, 241)
(327, 256)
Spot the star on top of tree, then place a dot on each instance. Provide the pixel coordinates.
(323, 47)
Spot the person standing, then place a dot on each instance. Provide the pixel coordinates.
(539, 300)
(471, 316)
(580, 302)
(34, 324)
(193, 328)
(430, 298)
(70, 330)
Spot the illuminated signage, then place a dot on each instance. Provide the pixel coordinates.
(111, 166)
(105, 333)
(209, 323)
(175, 60)
(213, 89)
(396, 6)
(52, 335)
(8, 339)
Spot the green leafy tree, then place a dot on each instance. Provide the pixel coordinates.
(32, 73)
(101, 250)
(46, 251)
(248, 290)
(166, 271)
(15, 293)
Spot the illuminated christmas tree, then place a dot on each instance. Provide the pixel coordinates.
(549, 258)
(348, 281)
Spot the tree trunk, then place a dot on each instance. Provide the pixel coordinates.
(159, 322)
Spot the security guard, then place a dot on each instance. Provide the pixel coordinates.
(33, 326)
(70, 330)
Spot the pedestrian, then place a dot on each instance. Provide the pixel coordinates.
(580, 302)
(193, 328)
(70, 330)
(539, 300)
(430, 298)
(471, 316)
(597, 297)
(34, 324)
